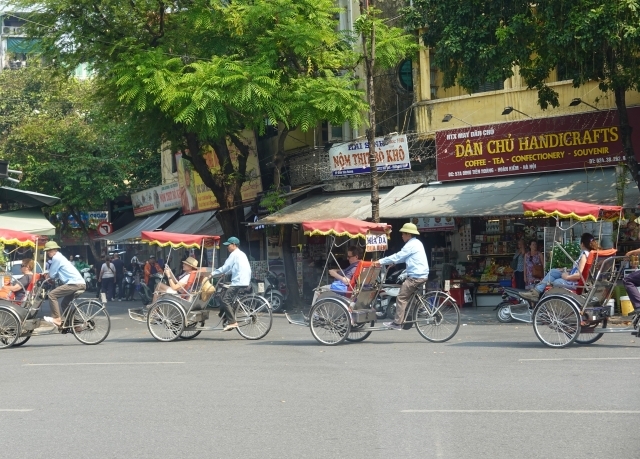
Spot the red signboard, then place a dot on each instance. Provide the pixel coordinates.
(532, 146)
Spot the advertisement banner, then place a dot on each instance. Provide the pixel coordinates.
(90, 219)
(376, 242)
(156, 199)
(353, 158)
(558, 143)
(426, 224)
(197, 197)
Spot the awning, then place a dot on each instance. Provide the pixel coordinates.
(27, 198)
(212, 228)
(133, 229)
(396, 194)
(190, 224)
(323, 207)
(504, 196)
(28, 220)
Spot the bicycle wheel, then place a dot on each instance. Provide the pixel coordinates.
(588, 335)
(90, 322)
(356, 334)
(9, 329)
(189, 332)
(165, 321)
(436, 316)
(329, 321)
(254, 317)
(556, 322)
(22, 339)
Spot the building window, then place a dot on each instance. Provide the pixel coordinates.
(490, 86)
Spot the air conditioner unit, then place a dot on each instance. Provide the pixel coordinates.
(6, 30)
(18, 30)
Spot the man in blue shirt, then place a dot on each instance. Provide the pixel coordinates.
(238, 265)
(61, 268)
(414, 256)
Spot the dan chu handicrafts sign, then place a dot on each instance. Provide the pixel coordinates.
(353, 157)
(532, 146)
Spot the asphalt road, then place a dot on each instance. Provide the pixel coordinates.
(494, 391)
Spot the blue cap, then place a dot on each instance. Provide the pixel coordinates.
(232, 240)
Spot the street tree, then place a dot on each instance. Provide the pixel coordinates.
(204, 71)
(484, 41)
(68, 145)
(382, 47)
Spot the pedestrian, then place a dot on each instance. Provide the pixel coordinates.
(119, 264)
(107, 277)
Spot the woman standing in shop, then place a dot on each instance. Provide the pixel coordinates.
(533, 267)
(518, 264)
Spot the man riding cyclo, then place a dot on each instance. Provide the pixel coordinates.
(238, 265)
(415, 257)
(61, 268)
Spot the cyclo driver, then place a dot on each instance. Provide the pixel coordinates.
(61, 268)
(238, 264)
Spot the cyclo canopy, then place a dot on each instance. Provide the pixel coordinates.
(177, 240)
(343, 227)
(19, 238)
(571, 209)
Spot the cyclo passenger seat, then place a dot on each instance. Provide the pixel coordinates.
(584, 275)
(353, 282)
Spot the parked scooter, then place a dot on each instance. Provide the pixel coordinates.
(128, 286)
(270, 290)
(386, 301)
(514, 307)
(89, 278)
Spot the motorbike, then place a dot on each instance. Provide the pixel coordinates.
(89, 278)
(146, 293)
(269, 290)
(514, 307)
(128, 286)
(386, 302)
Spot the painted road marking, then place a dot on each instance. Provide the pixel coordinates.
(97, 363)
(528, 411)
(579, 358)
(14, 411)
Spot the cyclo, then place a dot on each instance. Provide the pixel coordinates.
(87, 319)
(351, 316)
(184, 316)
(563, 315)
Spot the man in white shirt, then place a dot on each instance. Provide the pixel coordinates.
(238, 265)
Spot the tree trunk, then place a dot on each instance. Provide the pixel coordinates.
(369, 53)
(293, 295)
(85, 231)
(625, 134)
(278, 159)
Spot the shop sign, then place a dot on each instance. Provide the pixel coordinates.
(156, 199)
(353, 158)
(532, 146)
(197, 197)
(426, 224)
(90, 219)
(376, 242)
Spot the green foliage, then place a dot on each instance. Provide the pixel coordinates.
(67, 144)
(560, 260)
(273, 200)
(482, 40)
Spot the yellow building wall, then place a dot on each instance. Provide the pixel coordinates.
(486, 107)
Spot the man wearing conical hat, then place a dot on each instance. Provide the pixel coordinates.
(414, 256)
(62, 269)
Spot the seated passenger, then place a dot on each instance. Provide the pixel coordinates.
(342, 276)
(631, 283)
(179, 286)
(560, 277)
(18, 290)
